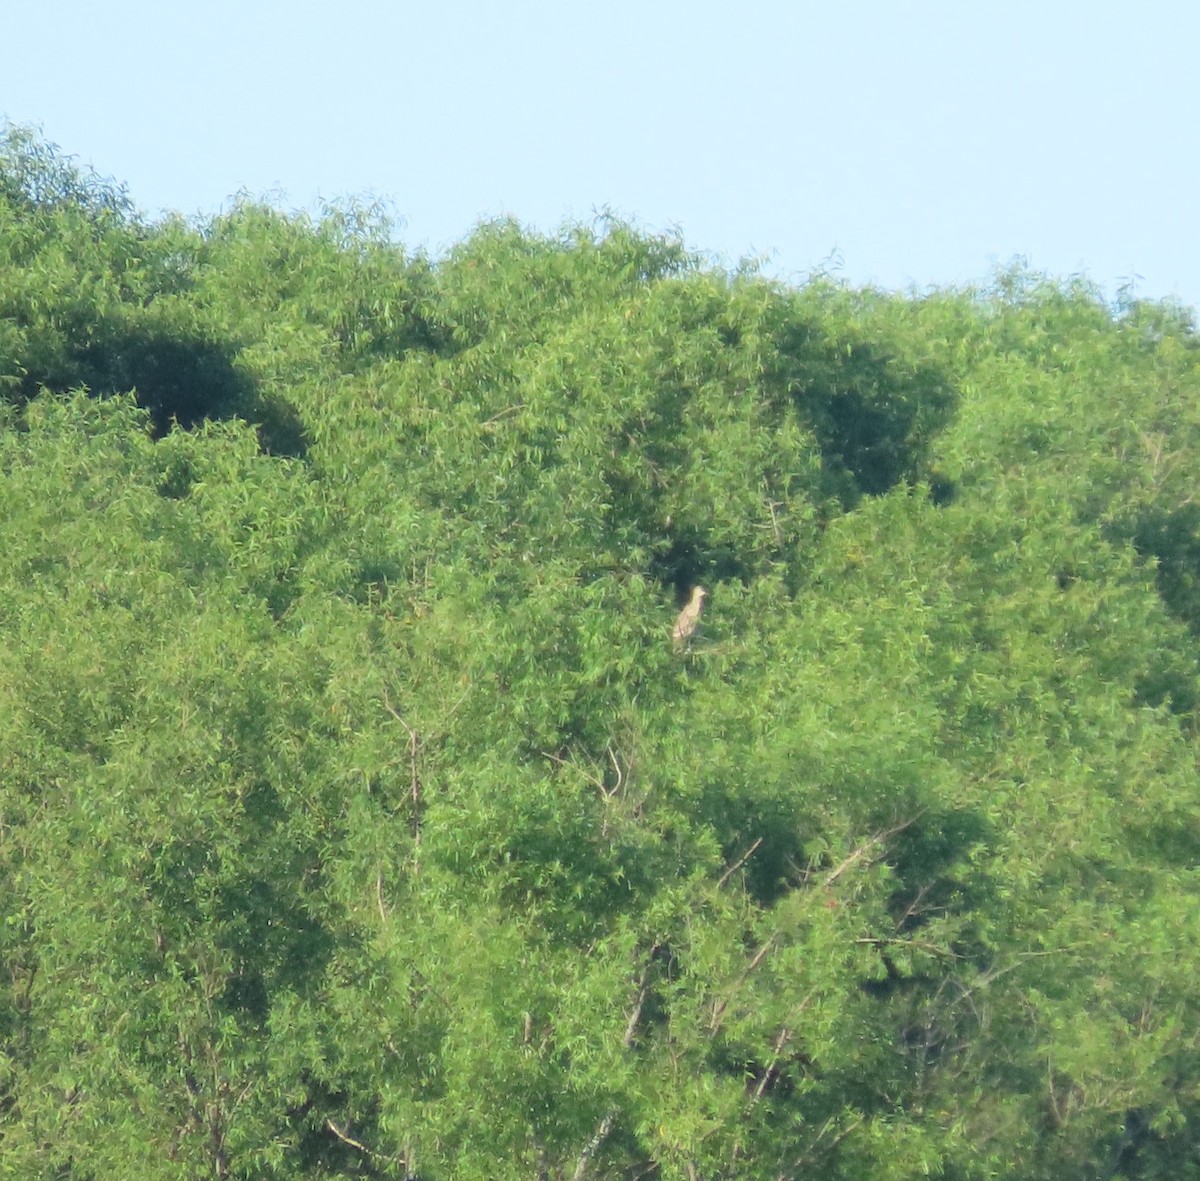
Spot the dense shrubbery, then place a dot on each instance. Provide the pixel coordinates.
(358, 819)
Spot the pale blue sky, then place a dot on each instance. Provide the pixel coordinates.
(917, 143)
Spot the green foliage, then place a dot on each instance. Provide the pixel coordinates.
(358, 819)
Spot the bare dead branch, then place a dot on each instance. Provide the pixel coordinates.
(593, 779)
(807, 1154)
(738, 863)
(591, 1147)
(720, 1006)
(503, 414)
(345, 1139)
(413, 747)
(918, 944)
(772, 505)
(643, 992)
(379, 896)
(872, 842)
(414, 750)
(785, 1035)
(914, 907)
(617, 768)
(634, 1017)
(605, 1126)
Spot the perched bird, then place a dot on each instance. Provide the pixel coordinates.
(689, 617)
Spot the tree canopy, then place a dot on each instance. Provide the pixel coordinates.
(359, 818)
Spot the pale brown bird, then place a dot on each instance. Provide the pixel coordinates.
(689, 617)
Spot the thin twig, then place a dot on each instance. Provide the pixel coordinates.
(771, 506)
(379, 896)
(347, 1139)
(738, 863)
(413, 746)
(782, 1040)
(503, 414)
(414, 749)
(719, 1007)
(608, 795)
(643, 992)
(913, 908)
(918, 944)
(636, 1016)
(595, 780)
(871, 843)
(610, 1117)
(806, 1155)
(589, 1149)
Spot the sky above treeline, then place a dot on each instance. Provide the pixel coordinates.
(895, 143)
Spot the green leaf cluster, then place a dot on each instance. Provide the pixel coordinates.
(358, 817)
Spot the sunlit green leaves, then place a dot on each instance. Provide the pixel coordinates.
(357, 815)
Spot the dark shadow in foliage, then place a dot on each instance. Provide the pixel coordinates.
(776, 866)
(1165, 841)
(922, 858)
(1138, 1150)
(411, 324)
(321, 1152)
(179, 378)
(549, 853)
(1169, 685)
(280, 428)
(181, 373)
(182, 377)
(873, 419)
(274, 940)
(246, 994)
(689, 560)
(374, 581)
(894, 982)
(762, 1076)
(1172, 538)
(748, 820)
(942, 491)
(176, 479)
(1126, 1151)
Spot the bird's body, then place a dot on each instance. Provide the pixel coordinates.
(688, 618)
